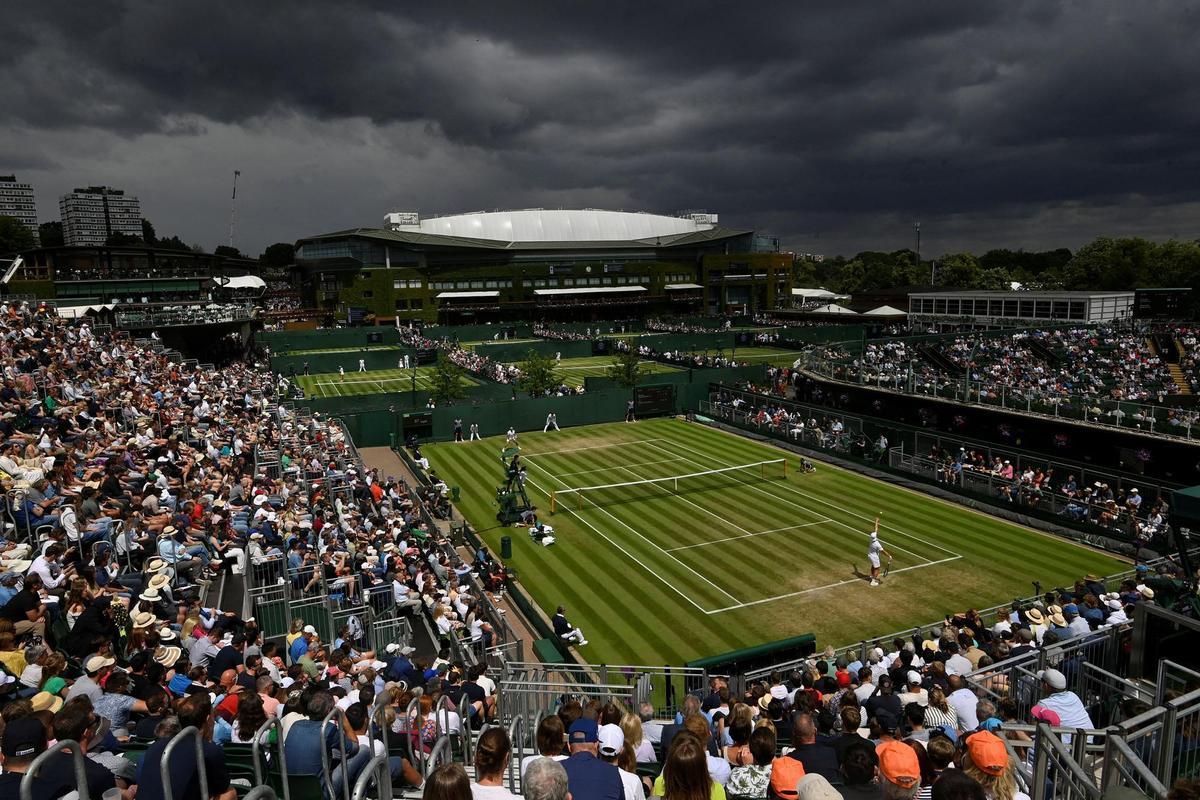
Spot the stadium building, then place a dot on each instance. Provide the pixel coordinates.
(538, 263)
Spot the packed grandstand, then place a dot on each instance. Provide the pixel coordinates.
(206, 591)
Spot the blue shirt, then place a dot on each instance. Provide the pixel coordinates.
(298, 649)
(589, 778)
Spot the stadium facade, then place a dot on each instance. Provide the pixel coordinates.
(541, 264)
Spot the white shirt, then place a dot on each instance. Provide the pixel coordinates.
(718, 769)
(632, 784)
(958, 665)
(964, 702)
(865, 691)
(42, 567)
(1069, 708)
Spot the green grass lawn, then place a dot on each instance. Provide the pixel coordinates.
(655, 577)
(379, 381)
(777, 356)
(574, 370)
(357, 349)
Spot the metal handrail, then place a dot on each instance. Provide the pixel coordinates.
(468, 732)
(338, 717)
(77, 757)
(416, 753)
(1138, 772)
(516, 738)
(261, 792)
(164, 765)
(264, 731)
(378, 771)
(1046, 743)
(441, 753)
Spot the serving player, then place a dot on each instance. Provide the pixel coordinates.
(873, 551)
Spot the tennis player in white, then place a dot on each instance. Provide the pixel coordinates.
(873, 550)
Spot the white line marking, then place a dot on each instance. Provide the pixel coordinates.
(826, 586)
(633, 558)
(677, 496)
(643, 537)
(610, 469)
(746, 536)
(839, 508)
(375, 381)
(591, 447)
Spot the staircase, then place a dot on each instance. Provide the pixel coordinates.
(1180, 379)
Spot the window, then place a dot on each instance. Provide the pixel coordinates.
(939, 306)
(401, 304)
(402, 284)
(1026, 307)
(416, 304)
(491, 284)
(1010, 308)
(1042, 308)
(476, 285)
(367, 294)
(365, 275)
(952, 306)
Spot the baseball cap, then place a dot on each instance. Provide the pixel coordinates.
(309, 629)
(1053, 678)
(1071, 608)
(23, 738)
(913, 677)
(898, 763)
(1047, 715)
(987, 752)
(97, 663)
(612, 739)
(815, 786)
(583, 731)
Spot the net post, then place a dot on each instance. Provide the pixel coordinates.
(785, 468)
(552, 502)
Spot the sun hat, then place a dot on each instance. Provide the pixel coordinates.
(898, 763)
(154, 564)
(1053, 678)
(765, 701)
(158, 581)
(167, 656)
(142, 619)
(611, 738)
(1146, 592)
(1058, 620)
(44, 701)
(987, 752)
(150, 596)
(166, 634)
(1035, 616)
(97, 663)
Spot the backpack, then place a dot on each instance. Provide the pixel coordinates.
(786, 772)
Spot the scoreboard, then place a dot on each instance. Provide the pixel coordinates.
(427, 355)
(418, 425)
(1164, 304)
(654, 401)
(601, 347)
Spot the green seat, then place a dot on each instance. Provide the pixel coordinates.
(649, 769)
(305, 787)
(547, 651)
(134, 749)
(455, 493)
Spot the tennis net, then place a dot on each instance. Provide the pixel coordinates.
(581, 497)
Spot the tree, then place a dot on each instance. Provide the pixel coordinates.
(119, 239)
(959, 270)
(172, 243)
(539, 374)
(51, 234)
(278, 256)
(626, 368)
(446, 381)
(14, 236)
(148, 235)
(227, 251)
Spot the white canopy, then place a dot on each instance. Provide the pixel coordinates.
(833, 308)
(683, 286)
(465, 295)
(589, 290)
(76, 312)
(884, 311)
(815, 294)
(242, 282)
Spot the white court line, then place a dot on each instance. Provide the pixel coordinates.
(643, 537)
(610, 469)
(826, 586)
(629, 555)
(844, 510)
(591, 447)
(372, 380)
(747, 535)
(677, 496)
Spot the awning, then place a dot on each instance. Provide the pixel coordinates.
(77, 312)
(814, 294)
(465, 295)
(241, 282)
(833, 308)
(589, 290)
(670, 286)
(885, 311)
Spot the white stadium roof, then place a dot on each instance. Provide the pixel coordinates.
(561, 225)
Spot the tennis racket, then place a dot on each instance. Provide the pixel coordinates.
(887, 568)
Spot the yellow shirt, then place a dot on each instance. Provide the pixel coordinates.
(717, 792)
(14, 661)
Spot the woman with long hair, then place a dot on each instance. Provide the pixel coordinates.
(447, 782)
(492, 753)
(635, 737)
(685, 772)
(939, 711)
(738, 754)
(986, 759)
(78, 599)
(250, 717)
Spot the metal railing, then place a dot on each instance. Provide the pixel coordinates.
(77, 760)
(338, 718)
(264, 732)
(1057, 773)
(164, 765)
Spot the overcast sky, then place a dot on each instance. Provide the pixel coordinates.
(833, 125)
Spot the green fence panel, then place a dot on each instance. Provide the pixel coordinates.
(319, 363)
(547, 347)
(284, 341)
(476, 333)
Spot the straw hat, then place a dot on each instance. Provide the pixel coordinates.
(1035, 616)
(167, 635)
(142, 619)
(155, 565)
(167, 656)
(157, 582)
(44, 701)
(150, 596)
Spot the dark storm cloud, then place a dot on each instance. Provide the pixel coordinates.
(831, 124)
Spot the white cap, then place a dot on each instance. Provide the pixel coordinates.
(285, 682)
(310, 629)
(913, 676)
(611, 739)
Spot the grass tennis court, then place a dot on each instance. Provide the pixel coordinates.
(654, 576)
(574, 370)
(777, 356)
(380, 381)
(356, 349)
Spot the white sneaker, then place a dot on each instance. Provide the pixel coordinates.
(581, 644)
(874, 583)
